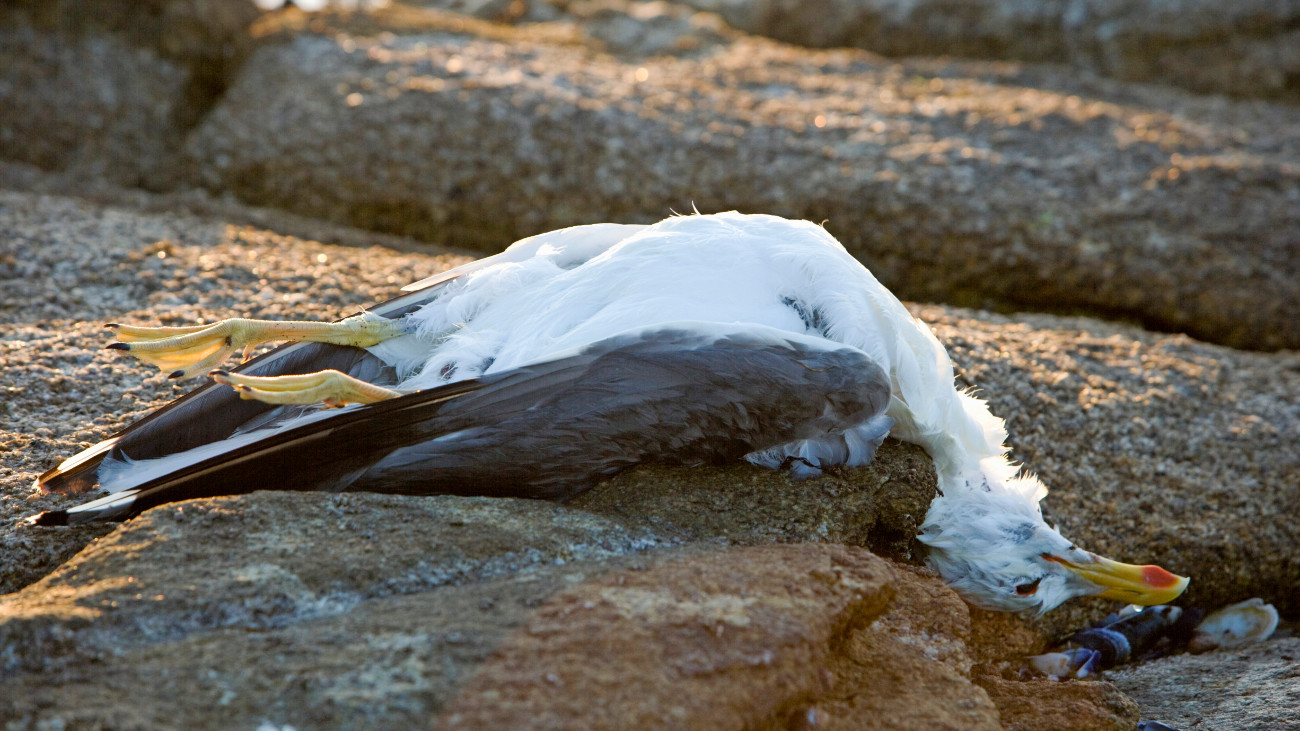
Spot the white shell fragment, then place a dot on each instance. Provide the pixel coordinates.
(1066, 664)
(1235, 625)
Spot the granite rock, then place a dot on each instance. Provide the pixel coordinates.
(116, 123)
(730, 639)
(476, 613)
(880, 506)
(1085, 705)
(891, 671)
(640, 29)
(1248, 48)
(68, 265)
(1256, 686)
(255, 562)
(155, 68)
(541, 611)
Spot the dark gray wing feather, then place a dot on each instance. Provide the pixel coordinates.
(555, 428)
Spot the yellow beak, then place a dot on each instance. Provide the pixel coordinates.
(1127, 582)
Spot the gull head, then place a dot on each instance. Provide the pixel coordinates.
(994, 548)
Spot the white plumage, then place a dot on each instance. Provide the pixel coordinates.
(558, 291)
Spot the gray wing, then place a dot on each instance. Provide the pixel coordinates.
(676, 395)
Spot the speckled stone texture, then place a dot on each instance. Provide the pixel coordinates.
(68, 266)
(880, 506)
(973, 184)
(1249, 48)
(115, 123)
(726, 639)
(468, 613)
(1257, 686)
(1103, 413)
(276, 558)
(890, 670)
(1086, 705)
(107, 89)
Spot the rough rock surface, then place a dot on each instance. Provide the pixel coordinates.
(259, 562)
(1216, 429)
(106, 89)
(1257, 686)
(1086, 705)
(1031, 187)
(1249, 48)
(485, 613)
(891, 669)
(68, 266)
(116, 123)
(881, 507)
(730, 639)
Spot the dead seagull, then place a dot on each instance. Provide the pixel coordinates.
(575, 354)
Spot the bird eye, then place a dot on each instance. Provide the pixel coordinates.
(1027, 589)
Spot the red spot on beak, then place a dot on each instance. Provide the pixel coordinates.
(1158, 577)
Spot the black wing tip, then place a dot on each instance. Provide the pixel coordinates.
(56, 481)
(47, 477)
(49, 518)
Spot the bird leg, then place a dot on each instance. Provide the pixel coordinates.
(331, 388)
(189, 351)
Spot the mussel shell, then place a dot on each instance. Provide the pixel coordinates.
(1235, 625)
(1144, 628)
(1128, 635)
(1112, 647)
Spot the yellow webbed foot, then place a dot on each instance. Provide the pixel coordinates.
(189, 351)
(331, 388)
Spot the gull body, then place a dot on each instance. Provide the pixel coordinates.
(762, 284)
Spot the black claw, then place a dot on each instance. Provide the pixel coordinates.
(218, 372)
(176, 374)
(111, 325)
(117, 346)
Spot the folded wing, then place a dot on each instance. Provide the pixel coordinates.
(686, 393)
